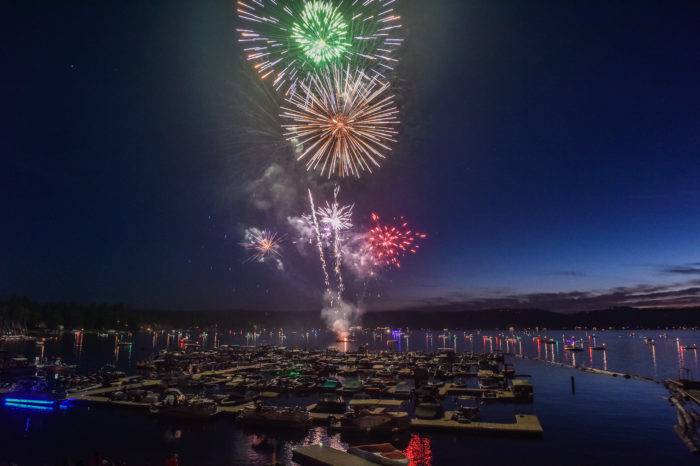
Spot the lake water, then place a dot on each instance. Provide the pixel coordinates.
(606, 420)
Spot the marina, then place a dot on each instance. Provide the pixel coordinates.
(350, 397)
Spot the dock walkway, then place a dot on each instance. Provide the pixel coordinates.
(525, 424)
(102, 391)
(376, 402)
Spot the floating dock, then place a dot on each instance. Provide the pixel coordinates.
(327, 456)
(525, 424)
(115, 387)
(326, 417)
(372, 402)
(505, 396)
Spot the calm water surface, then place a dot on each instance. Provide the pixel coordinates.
(607, 419)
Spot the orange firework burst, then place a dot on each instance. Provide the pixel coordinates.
(388, 243)
(265, 245)
(342, 122)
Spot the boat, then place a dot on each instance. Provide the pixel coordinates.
(429, 409)
(239, 397)
(369, 422)
(330, 404)
(14, 367)
(351, 386)
(274, 416)
(599, 347)
(489, 380)
(380, 453)
(330, 384)
(572, 348)
(522, 390)
(691, 347)
(176, 405)
(402, 390)
(193, 408)
(466, 414)
(426, 391)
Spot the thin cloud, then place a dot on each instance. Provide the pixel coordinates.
(566, 273)
(684, 294)
(692, 268)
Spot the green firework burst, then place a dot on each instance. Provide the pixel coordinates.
(289, 40)
(321, 32)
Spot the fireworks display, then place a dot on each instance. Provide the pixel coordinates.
(335, 216)
(342, 122)
(286, 40)
(265, 245)
(321, 32)
(331, 62)
(388, 243)
(319, 243)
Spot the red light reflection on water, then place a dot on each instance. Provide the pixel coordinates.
(418, 451)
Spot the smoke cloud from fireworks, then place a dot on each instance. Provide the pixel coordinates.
(339, 315)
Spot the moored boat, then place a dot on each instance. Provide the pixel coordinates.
(330, 404)
(380, 453)
(429, 409)
(176, 405)
(273, 416)
(368, 422)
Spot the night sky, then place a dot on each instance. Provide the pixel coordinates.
(549, 149)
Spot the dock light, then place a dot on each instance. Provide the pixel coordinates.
(29, 401)
(28, 406)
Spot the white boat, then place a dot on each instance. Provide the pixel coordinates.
(380, 453)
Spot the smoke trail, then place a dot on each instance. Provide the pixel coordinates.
(324, 266)
(337, 250)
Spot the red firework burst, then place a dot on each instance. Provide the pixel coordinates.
(388, 243)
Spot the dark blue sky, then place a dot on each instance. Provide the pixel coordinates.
(550, 149)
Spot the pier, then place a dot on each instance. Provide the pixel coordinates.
(524, 425)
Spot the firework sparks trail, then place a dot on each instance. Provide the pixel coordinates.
(388, 243)
(287, 40)
(324, 266)
(340, 219)
(265, 246)
(335, 216)
(342, 122)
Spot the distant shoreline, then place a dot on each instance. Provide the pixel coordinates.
(30, 314)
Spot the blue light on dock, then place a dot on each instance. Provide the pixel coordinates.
(28, 406)
(29, 401)
(65, 404)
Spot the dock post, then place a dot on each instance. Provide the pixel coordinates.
(573, 386)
